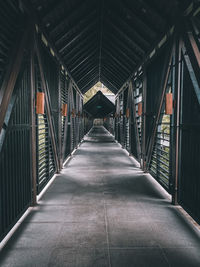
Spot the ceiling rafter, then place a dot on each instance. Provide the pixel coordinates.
(76, 59)
(112, 76)
(138, 22)
(83, 71)
(114, 70)
(121, 44)
(82, 52)
(62, 20)
(106, 75)
(119, 51)
(49, 12)
(91, 60)
(101, 33)
(115, 59)
(77, 36)
(106, 81)
(66, 33)
(103, 40)
(91, 83)
(88, 73)
(93, 77)
(126, 37)
(121, 60)
(110, 62)
(75, 66)
(132, 32)
(77, 46)
(147, 10)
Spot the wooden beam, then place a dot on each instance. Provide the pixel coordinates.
(35, 19)
(137, 20)
(64, 145)
(113, 69)
(132, 105)
(144, 117)
(103, 78)
(86, 69)
(116, 68)
(101, 34)
(87, 53)
(89, 72)
(45, 89)
(33, 125)
(116, 60)
(92, 77)
(59, 120)
(67, 17)
(77, 36)
(175, 140)
(125, 46)
(193, 76)
(191, 55)
(87, 48)
(12, 73)
(76, 47)
(135, 35)
(90, 57)
(90, 82)
(82, 23)
(119, 51)
(164, 82)
(111, 75)
(126, 37)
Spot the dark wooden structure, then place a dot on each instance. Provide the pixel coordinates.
(141, 50)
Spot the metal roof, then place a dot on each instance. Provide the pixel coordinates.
(102, 40)
(99, 105)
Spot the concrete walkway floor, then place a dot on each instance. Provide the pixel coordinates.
(102, 210)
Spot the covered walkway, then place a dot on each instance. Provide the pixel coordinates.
(103, 210)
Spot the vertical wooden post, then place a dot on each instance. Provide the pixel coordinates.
(67, 120)
(33, 128)
(135, 123)
(143, 148)
(59, 121)
(11, 75)
(176, 121)
(42, 74)
(164, 82)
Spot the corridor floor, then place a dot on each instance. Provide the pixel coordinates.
(102, 210)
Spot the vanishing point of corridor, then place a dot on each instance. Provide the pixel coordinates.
(102, 210)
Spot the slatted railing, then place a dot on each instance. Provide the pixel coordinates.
(160, 161)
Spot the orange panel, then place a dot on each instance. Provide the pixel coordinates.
(169, 104)
(127, 112)
(40, 103)
(73, 113)
(64, 110)
(140, 109)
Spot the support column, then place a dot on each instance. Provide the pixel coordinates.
(33, 129)
(143, 148)
(59, 121)
(176, 121)
(45, 89)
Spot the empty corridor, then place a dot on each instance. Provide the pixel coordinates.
(102, 210)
